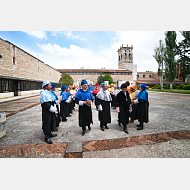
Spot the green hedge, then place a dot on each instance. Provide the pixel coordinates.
(157, 86)
(186, 87)
(181, 86)
(173, 86)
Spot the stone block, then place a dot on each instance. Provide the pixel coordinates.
(2, 130)
(2, 117)
(2, 124)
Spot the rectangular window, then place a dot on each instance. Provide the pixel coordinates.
(149, 76)
(137, 76)
(143, 76)
(13, 60)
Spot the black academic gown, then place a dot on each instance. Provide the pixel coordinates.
(104, 115)
(58, 118)
(133, 114)
(48, 118)
(142, 111)
(85, 115)
(113, 100)
(63, 110)
(123, 102)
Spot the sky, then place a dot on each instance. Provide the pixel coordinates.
(88, 49)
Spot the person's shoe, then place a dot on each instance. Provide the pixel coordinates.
(102, 128)
(55, 130)
(64, 120)
(48, 141)
(140, 128)
(52, 135)
(125, 129)
(106, 127)
(83, 133)
(114, 108)
(89, 127)
(138, 125)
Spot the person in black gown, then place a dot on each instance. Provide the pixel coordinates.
(47, 101)
(84, 99)
(123, 102)
(103, 100)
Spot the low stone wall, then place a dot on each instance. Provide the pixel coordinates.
(6, 95)
(2, 125)
(24, 93)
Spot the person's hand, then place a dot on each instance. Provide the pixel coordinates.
(84, 102)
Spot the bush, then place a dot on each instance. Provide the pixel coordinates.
(186, 87)
(157, 86)
(181, 86)
(152, 87)
(147, 87)
(174, 86)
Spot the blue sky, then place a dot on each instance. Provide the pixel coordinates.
(90, 49)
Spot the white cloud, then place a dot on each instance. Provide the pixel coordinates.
(37, 34)
(69, 34)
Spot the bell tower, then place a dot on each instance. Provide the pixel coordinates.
(125, 57)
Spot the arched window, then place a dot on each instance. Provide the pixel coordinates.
(119, 58)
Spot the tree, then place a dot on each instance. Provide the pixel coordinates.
(183, 51)
(100, 79)
(108, 78)
(169, 57)
(66, 80)
(158, 55)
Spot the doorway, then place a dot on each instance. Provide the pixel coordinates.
(15, 87)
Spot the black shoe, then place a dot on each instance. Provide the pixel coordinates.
(102, 128)
(89, 127)
(48, 141)
(125, 129)
(138, 125)
(140, 128)
(64, 120)
(114, 108)
(106, 127)
(55, 130)
(69, 115)
(52, 135)
(83, 133)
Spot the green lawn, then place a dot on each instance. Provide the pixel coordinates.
(173, 91)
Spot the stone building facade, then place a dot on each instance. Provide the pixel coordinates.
(91, 75)
(20, 71)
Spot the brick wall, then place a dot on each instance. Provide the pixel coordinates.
(26, 66)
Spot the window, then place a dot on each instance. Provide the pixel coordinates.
(38, 69)
(143, 76)
(1, 57)
(149, 76)
(13, 60)
(164, 77)
(137, 76)
(119, 58)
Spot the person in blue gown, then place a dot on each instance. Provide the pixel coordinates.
(64, 101)
(47, 101)
(84, 99)
(57, 101)
(142, 106)
(69, 105)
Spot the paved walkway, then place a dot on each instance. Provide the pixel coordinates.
(166, 135)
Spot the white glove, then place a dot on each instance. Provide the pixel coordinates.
(136, 101)
(52, 109)
(57, 102)
(100, 107)
(81, 103)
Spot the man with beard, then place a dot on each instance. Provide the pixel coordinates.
(84, 99)
(123, 102)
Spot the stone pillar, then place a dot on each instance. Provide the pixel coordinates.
(2, 125)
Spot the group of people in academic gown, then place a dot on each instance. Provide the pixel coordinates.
(135, 107)
(49, 111)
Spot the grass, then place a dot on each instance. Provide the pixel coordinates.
(173, 91)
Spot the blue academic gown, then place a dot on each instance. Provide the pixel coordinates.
(85, 112)
(143, 107)
(48, 118)
(58, 119)
(63, 106)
